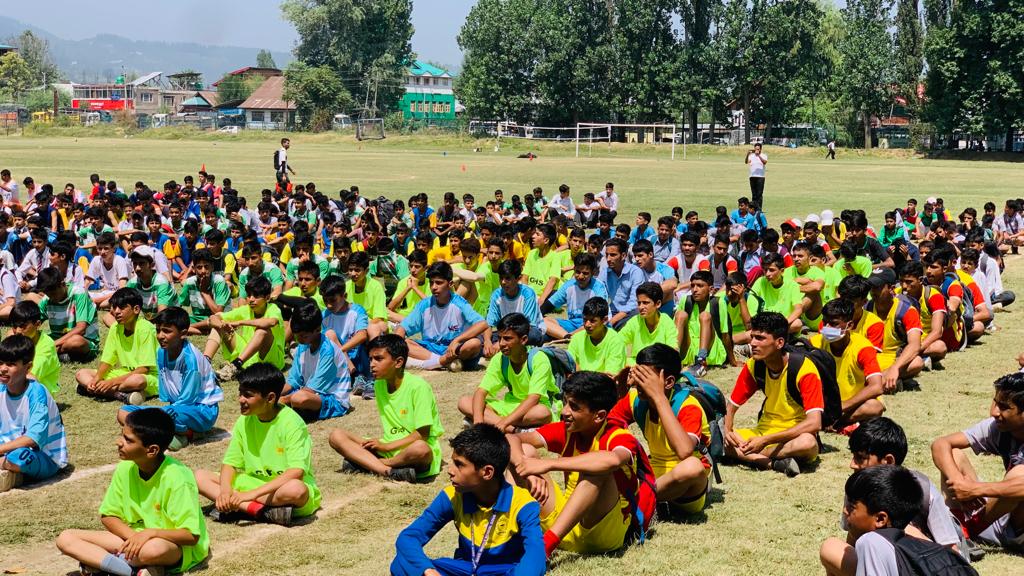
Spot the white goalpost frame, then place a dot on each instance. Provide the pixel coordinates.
(362, 124)
(609, 126)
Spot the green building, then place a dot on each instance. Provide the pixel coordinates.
(428, 93)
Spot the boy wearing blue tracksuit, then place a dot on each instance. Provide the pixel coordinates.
(319, 384)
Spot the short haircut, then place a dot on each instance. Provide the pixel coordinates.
(258, 286)
(442, 270)
(333, 286)
(911, 268)
(153, 426)
(309, 267)
(595, 307)
(510, 269)
(359, 260)
(172, 316)
(126, 297)
(250, 249)
(420, 257)
(585, 260)
(106, 239)
(890, 489)
(594, 390)
(704, 276)
(262, 378)
(771, 323)
(838, 309)
(306, 317)
(17, 348)
(854, 287)
(772, 258)
(64, 249)
(736, 278)
(652, 290)
(25, 312)
(667, 221)
(878, 437)
(49, 279)
(645, 215)
(393, 343)
(202, 255)
(942, 255)
(643, 246)
(617, 243)
(515, 322)
(661, 357)
(691, 237)
(1012, 387)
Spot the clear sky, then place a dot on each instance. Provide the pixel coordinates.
(248, 23)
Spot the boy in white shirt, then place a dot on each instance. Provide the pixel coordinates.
(112, 271)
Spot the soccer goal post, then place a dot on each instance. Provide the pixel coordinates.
(654, 134)
(370, 129)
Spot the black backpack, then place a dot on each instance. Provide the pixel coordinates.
(798, 350)
(277, 161)
(916, 557)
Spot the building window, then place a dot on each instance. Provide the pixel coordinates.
(146, 97)
(412, 106)
(169, 101)
(276, 116)
(257, 115)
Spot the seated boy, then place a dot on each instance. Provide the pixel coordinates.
(898, 356)
(110, 270)
(675, 431)
(609, 497)
(650, 325)
(510, 297)
(32, 442)
(785, 434)
(991, 512)
(778, 294)
(699, 344)
(450, 329)
(267, 471)
(204, 292)
(256, 266)
(26, 319)
(598, 347)
(368, 293)
(731, 315)
(882, 442)
(248, 334)
(531, 397)
(150, 512)
(931, 305)
(479, 497)
(127, 369)
(71, 316)
(571, 296)
(186, 380)
(409, 448)
(157, 293)
(857, 371)
(411, 289)
(345, 324)
(319, 382)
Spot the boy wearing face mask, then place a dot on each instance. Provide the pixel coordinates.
(857, 371)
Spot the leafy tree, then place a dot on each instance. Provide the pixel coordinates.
(909, 47)
(15, 75)
(318, 94)
(867, 70)
(35, 51)
(42, 100)
(646, 62)
(264, 59)
(232, 88)
(367, 43)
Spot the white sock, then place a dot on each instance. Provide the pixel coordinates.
(432, 363)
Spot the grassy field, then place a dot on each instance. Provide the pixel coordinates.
(758, 523)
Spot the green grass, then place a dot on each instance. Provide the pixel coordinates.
(758, 523)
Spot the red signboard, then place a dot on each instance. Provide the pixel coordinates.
(103, 104)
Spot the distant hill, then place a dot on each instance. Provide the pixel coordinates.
(103, 57)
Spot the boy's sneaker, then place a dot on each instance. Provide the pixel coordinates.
(64, 358)
(150, 571)
(455, 365)
(10, 479)
(975, 553)
(134, 398)
(787, 466)
(280, 515)
(350, 467)
(180, 441)
(227, 372)
(927, 363)
(406, 474)
(847, 430)
(368, 393)
(89, 570)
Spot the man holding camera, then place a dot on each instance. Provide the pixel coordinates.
(757, 160)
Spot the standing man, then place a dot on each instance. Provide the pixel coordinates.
(757, 161)
(831, 155)
(281, 165)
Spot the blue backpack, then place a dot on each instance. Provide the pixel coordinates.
(711, 401)
(562, 363)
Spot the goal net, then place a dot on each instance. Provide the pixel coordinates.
(626, 139)
(370, 129)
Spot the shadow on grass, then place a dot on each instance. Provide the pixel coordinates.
(974, 156)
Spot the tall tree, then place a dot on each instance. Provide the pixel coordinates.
(367, 43)
(867, 70)
(15, 75)
(909, 45)
(318, 93)
(35, 51)
(264, 59)
(645, 63)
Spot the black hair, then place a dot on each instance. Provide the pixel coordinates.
(306, 317)
(25, 312)
(848, 249)
(595, 307)
(585, 260)
(772, 258)
(359, 260)
(618, 243)
(48, 279)
(17, 348)
(911, 268)
(106, 239)
(172, 316)
(704, 276)
(942, 255)
(442, 270)
(661, 357)
(652, 290)
(890, 489)
(691, 237)
(854, 287)
(1012, 387)
(64, 249)
(262, 378)
(393, 343)
(258, 286)
(515, 322)
(420, 257)
(736, 278)
(878, 437)
(333, 286)
(202, 255)
(126, 297)
(153, 426)
(838, 308)
(969, 255)
(644, 246)
(510, 268)
(309, 267)
(594, 390)
(771, 323)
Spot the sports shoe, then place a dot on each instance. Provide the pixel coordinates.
(350, 467)
(227, 372)
(787, 466)
(10, 479)
(467, 422)
(847, 430)
(991, 328)
(403, 475)
(455, 365)
(135, 399)
(927, 363)
(64, 358)
(150, 571)
(178, 442)
(280, 515)
(743, 351)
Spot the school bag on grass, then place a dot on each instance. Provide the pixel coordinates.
(916, 557)
(798, 350)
